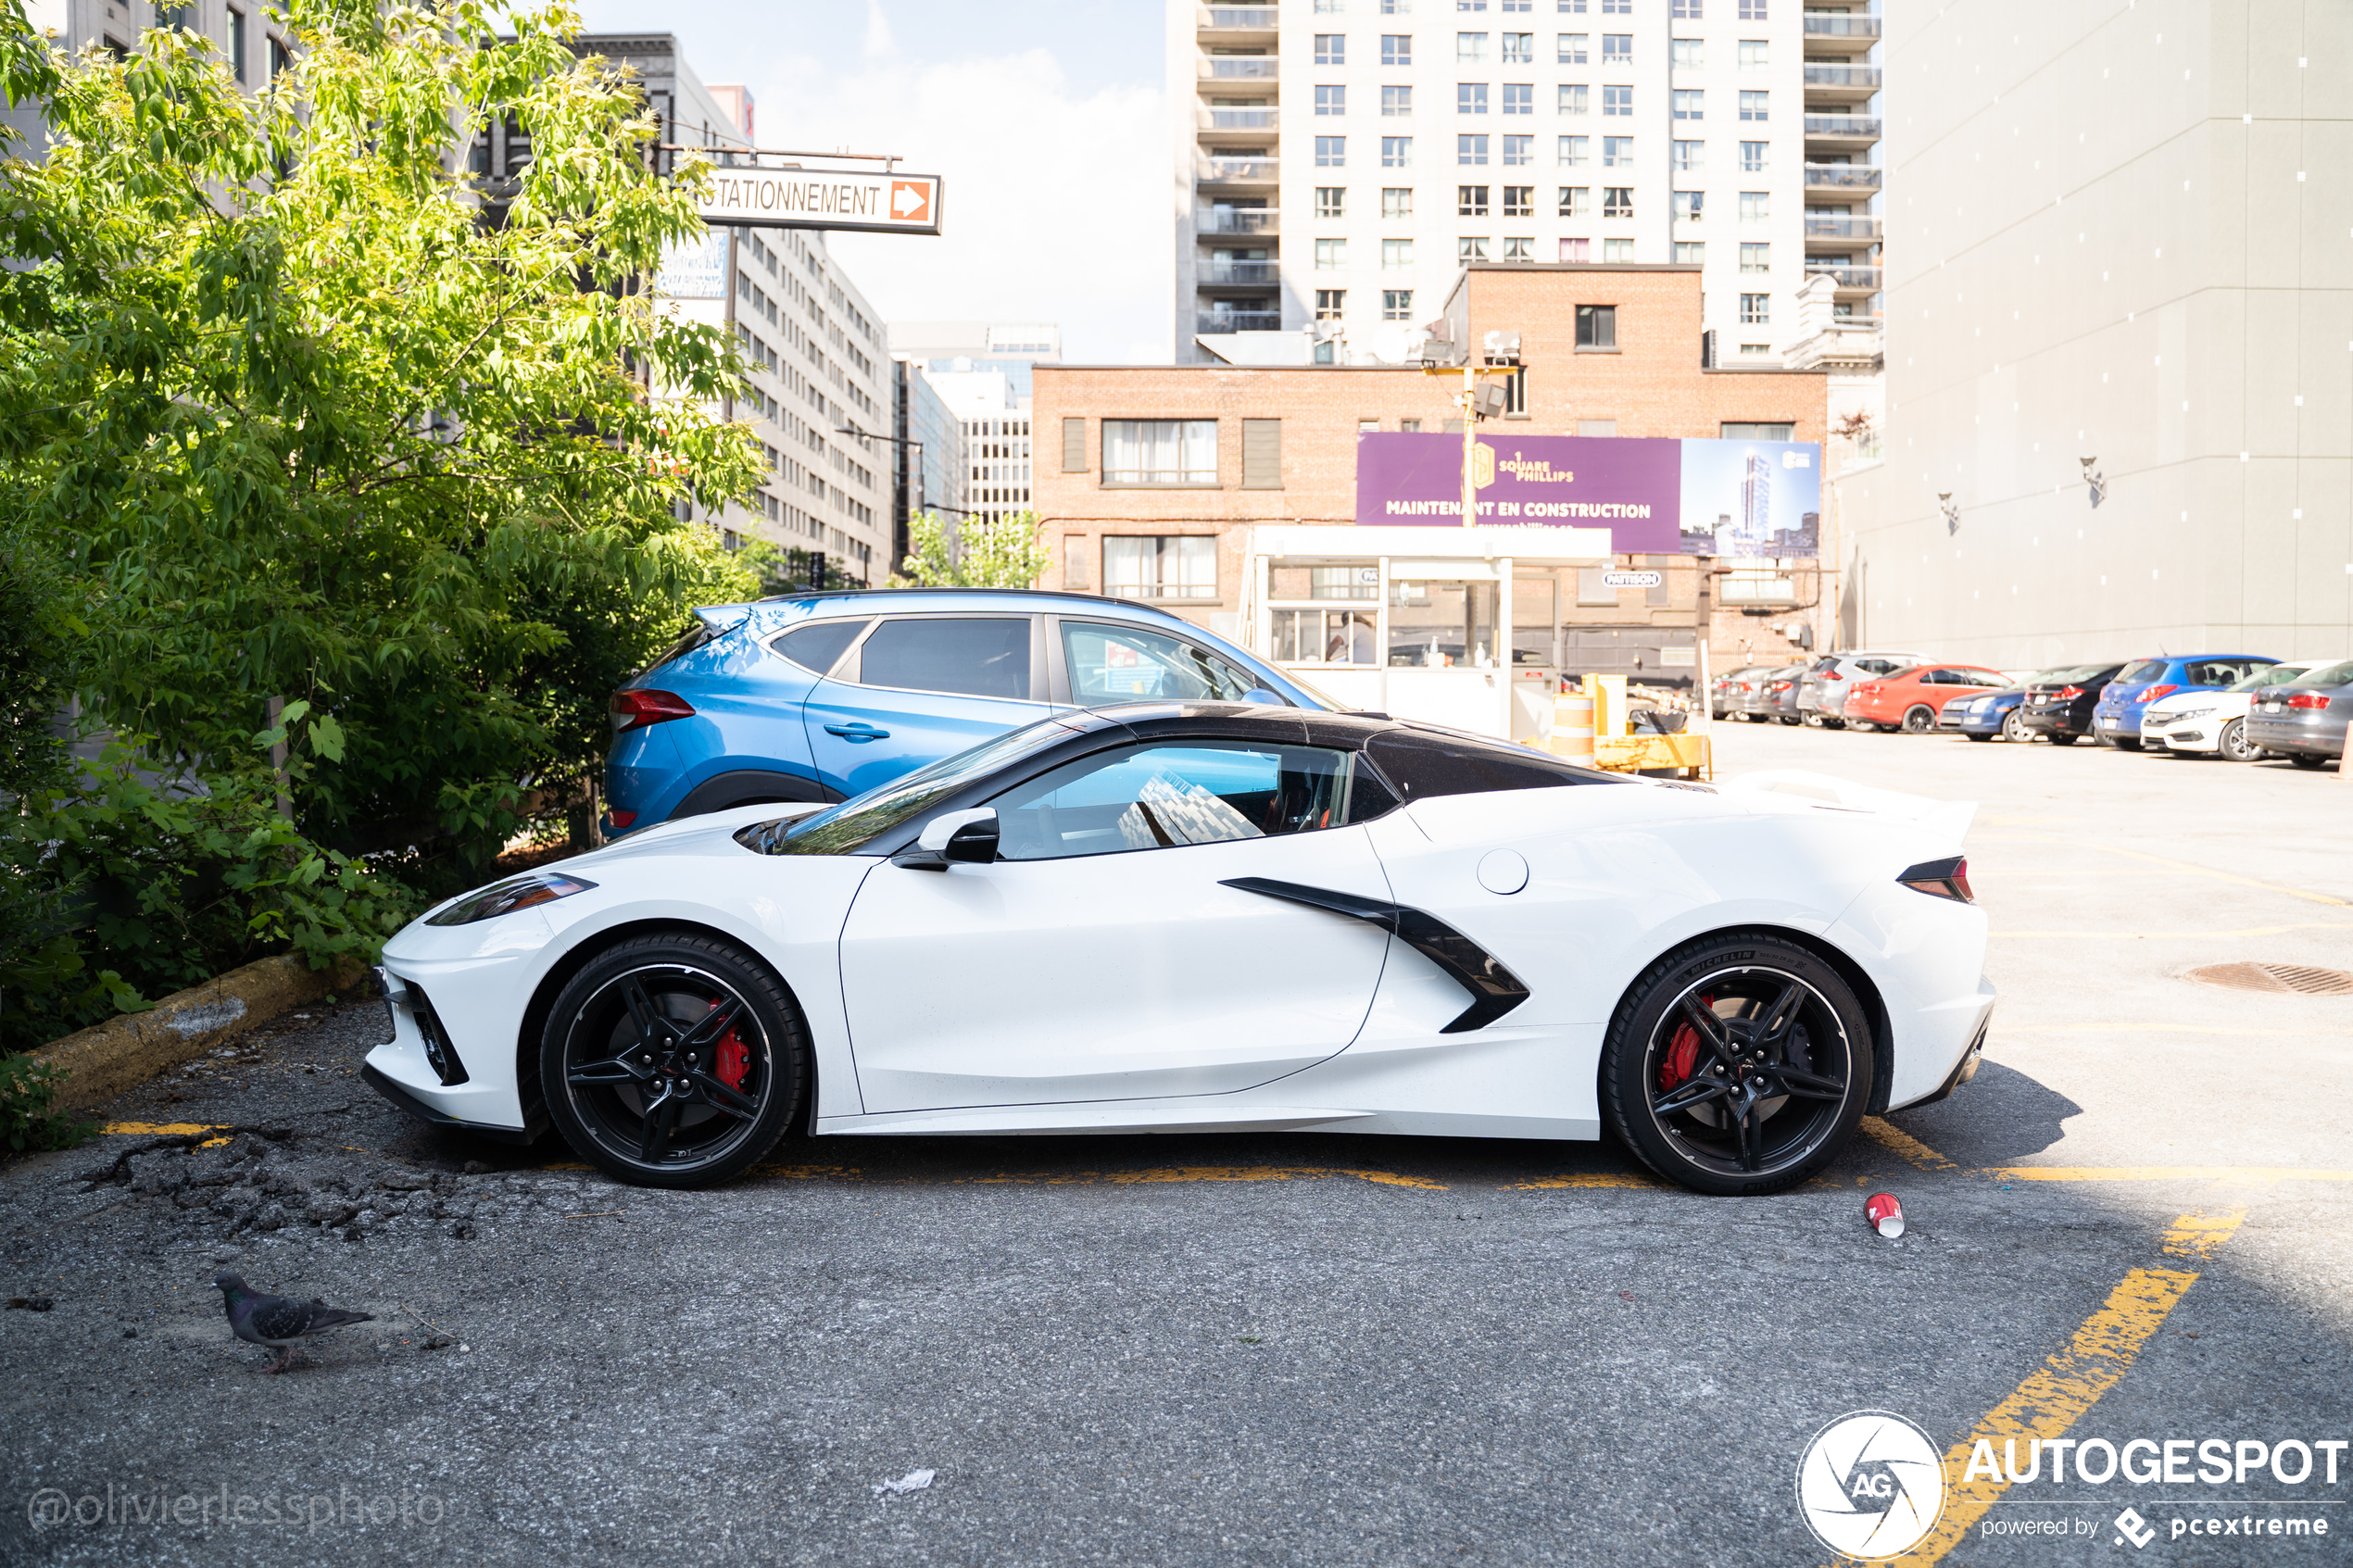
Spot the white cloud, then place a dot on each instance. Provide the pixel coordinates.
(1057, 206)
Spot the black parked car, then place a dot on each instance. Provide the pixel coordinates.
(2305, 720)
(2059, 708)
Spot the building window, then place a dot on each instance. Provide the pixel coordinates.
(1572, 48)
(1753, 157)
(1688, 103)
(1617, 101)
(1519, 48)
(1331, 49)
(1159, 452)
(1753, 104)
(1519, 201)
(1575, 200)
(1617, 252)
(1396, 102)
(1756, 311)
(1331, 98)
(1689, 205)
(1576, 250)
(1332, 151)
(1733, 429)
(1161, 566)
(1331, 304)
(1519, 249)
(1597, 326)
(1470, 97)
(1397, 7)
(1617, 7)
(1518, 151)
(1397, 201)
(1618, 49)
(1396, 255)
(1617, 152)
(1756, 259)
(1396, 152)
(1689, 253)
(1470, 150)
(1618, 201)
(1572, 7)
(237, 43)
(1575, 152)
(1331, 201)
(1469, 249)
(1519, 97)
(1397, 304)
(1686, 53)
(1409, 427)
(1330, 255)
(1757, 206)
(1327, 636)
(1397, 48)
(1752, 11)
(1470, 48)
(1686, 11)
(1470, 201)
(1687, 157)
(1573, 98)
(1753, 56)
(1756, 350)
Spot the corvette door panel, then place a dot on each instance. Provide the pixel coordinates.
(1107, 976)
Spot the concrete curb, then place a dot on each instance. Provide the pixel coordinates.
(109, 1058)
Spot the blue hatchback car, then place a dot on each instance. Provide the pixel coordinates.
(821, 696)
(2117, 717)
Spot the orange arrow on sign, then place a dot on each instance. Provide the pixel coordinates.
(910, 202)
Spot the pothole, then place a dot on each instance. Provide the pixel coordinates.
(2286, 979)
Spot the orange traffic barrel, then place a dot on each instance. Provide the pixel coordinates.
(1572, 736)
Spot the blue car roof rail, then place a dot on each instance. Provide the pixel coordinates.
(1027, 593)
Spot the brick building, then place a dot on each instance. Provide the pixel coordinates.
(1147, 477)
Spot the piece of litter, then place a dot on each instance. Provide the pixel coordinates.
(1885, 1214)
(913, 1481)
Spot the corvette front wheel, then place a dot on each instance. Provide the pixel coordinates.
(673, 1061)
(1737, 1065)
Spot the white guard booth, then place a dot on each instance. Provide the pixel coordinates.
(1459, 626)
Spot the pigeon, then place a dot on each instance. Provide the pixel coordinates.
(276, 1321)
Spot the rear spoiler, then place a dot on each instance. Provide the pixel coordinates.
(721, 619)
(1951, 817)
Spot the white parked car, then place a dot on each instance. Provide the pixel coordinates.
(1212, 917)
(2216, 722)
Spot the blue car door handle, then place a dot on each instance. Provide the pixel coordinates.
(856, 730)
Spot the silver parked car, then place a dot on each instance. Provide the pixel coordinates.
(1821, 691)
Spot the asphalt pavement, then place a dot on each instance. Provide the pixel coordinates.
(2132, 1229)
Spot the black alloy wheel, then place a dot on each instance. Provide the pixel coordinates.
(2014, 727)
(1737, 1064)
(2233, 745)
(1919, 720)
(673, 1061)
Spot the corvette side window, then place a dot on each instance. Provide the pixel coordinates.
(1173, 795)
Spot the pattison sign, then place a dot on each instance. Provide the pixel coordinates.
(793, 198)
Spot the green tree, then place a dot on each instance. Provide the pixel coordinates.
(980, 552)
(315, 414)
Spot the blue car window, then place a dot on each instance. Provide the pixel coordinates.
(2141, 671)
(1166, 797)
(818, 646)
(1128, 664)
(975, 657)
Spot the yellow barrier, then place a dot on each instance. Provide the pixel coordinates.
(1686, 754)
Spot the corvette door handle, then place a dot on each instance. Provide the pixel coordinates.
(858, 731)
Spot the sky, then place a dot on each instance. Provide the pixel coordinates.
(1044, 117)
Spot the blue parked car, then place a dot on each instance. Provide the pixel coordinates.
(821, 696)
(2116, 720)
(1996, 713)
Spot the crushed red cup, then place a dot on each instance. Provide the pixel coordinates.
(1885, 1214)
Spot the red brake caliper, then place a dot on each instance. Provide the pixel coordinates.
(1683, 1052)
(732, 1060)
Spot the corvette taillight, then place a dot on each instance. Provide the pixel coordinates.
(2309, 700)
(2152, 692)
(1941, 879)
(637, 709)
(2070, 693)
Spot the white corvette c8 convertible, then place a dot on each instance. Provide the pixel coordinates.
(1168, 917)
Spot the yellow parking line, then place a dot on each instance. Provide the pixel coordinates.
(161, 1129)
(2259, 1174)
(1903, 1142)
(1587, 1179)
(2057, 1394)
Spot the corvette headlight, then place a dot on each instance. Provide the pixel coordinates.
(506, 898)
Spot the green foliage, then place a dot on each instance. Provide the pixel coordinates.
(28, 1094)
(983, 552)
(38, 632)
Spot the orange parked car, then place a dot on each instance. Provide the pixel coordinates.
(1911, 700)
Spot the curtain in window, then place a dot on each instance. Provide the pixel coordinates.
(1160, 566)
(1160, 451)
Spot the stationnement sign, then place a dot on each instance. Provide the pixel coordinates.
(799, 198)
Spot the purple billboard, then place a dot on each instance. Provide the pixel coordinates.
(1655, 496)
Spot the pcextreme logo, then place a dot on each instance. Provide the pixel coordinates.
(1870, 1485)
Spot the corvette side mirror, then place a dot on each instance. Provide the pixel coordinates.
(969, 837)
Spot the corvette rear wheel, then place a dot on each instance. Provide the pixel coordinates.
(673, 1061)
(1737, 1065)
(1919, 720)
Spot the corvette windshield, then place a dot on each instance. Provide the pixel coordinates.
(846, 828)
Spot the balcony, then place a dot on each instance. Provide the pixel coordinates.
(1831, 34)
(1239, 321)
(1842, 131)
(1228, 23)
(1855, 176)
(1841, 84)
(1238, 170)
(1846, 280)
(1234, 274)
(1239, 67)
(1235, 120)
(1858, 231)
(1236, 220)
